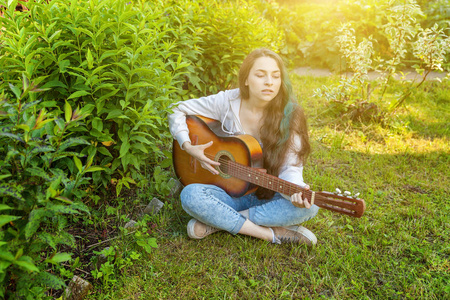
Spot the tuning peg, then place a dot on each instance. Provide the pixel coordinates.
(347, 193)
(357, 194)
(338, 191)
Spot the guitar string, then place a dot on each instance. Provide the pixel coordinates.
(235, 167)
(285, 186)
(292, 188)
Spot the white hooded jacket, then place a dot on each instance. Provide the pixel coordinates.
(225, 107)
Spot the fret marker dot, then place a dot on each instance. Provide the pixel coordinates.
(256, 178)
(281, 186)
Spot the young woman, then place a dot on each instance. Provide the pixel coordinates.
(264, 107)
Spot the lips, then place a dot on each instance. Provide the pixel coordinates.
(267, 91)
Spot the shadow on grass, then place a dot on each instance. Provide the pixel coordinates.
(430, 129)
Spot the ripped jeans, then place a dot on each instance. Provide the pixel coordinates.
(213, 206)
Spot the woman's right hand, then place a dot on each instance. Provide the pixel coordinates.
(198, 152)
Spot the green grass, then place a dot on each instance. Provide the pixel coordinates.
(399, 249)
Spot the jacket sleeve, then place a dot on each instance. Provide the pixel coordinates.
(211, 107)
(292, 169)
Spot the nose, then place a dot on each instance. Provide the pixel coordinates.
(269, 81)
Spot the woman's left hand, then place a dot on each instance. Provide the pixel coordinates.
(298, 201)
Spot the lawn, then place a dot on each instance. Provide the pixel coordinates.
(400, 248)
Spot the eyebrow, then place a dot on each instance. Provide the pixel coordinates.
(262, 70)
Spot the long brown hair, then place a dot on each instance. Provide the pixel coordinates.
(283, 119)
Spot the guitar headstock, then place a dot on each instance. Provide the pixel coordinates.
(341, 202)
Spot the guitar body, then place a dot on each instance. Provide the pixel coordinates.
(243, 149)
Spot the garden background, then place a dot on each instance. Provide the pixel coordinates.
(85, 89)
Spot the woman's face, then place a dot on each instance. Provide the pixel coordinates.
(264, 80)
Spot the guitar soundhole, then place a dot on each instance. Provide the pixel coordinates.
(224, 158)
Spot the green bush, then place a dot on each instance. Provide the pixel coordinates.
(228, 31)
(215, 37)
(38, 189)
(311, 27)
(353, 95)
(129, 61)
(116, 57)
(97, 79)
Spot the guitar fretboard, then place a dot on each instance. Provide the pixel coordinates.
(259, 178)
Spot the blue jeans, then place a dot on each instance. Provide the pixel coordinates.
(213, 206)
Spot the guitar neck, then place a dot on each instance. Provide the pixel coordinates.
(350, 206)
(265, 180)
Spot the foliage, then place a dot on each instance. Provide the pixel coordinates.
(437, 12)
(123, 60)
(307, 38)
(39, 191)
(430, 48)
(97, 79)
(312, 26)
(114, 57)
(116, 261)
(227, 31)
(111, 68)
(359, 56)
(354, 94)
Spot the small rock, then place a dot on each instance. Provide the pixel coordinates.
(78, 289)
(153, 207)
(130, 224)
(176, 187)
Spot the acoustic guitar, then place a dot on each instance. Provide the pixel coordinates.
(240, 173)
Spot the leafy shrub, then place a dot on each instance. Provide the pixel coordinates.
(115, 57)
(38, 190)
(307, 37)
(353, 95)
(226, 32)
(312, 26)
(97, 79)
(111, 70)
(128, 61)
